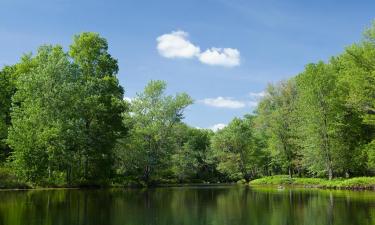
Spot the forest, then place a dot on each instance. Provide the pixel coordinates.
(64, 122)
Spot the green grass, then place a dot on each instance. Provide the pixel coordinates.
(340, 183)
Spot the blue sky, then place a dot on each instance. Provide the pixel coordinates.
(267, 40)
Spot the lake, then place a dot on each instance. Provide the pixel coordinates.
(230, 205)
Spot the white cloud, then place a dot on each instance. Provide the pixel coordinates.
(228, 57)
(253, 104)
(223, 102)
(176, 45)
(128, 99)
(257, 94)
(218, 126)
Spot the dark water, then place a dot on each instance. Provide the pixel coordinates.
(228, 205)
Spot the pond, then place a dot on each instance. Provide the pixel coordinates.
(229, 205)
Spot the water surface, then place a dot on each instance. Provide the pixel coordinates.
(229, 205)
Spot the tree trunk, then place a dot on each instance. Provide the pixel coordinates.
(86, 167)
(49, 171)
(146, 174)
(330, 173)
(69, 175)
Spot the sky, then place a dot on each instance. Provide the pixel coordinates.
(222, 53)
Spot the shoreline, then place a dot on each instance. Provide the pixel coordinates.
(95, 187)
(257, 183)
(282, 181)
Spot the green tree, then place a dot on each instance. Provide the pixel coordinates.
(66, 114)
(189, 160)
(320, 110)
(356, 69)
(38, 113)
(101, 104)
(7, 89)
(276, 115)
(235, 149)
(146, 153)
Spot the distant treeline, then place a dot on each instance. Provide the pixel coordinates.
(64, 121)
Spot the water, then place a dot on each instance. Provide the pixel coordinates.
(229, 205)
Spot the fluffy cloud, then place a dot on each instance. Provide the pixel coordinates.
(257, 94)
(223, 102)
(228, 57)
(253, 104)
(176, 45)
(218, 126)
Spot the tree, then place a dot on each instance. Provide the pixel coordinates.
(357, 66)
(320, 110)
(356, 69)
(189, 160)
(39, 110)
(7, 89)
(235, 149)
(67, 114)
(101, 104)
(146, 152)
(276, 115)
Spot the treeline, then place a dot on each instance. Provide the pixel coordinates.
(63, 121)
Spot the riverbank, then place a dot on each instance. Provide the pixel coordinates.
(356, 183)
(9, 181)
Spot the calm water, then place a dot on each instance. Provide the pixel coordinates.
(230, 205)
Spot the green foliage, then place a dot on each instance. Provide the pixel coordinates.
(320, 110)
(9, 180)
(369, 149)
(63, 121)
(235, 150)
(277, 117)
(273, 180)
(352, 183)
(190, 158)
(146, 152)
(101, 105)
(65, 117)
(7, 89)
(321, 122)
(38, 113)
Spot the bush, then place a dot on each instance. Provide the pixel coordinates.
(9, 180)
(352, 183)
(242, 181)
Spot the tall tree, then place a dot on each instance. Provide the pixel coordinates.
(356, 67)
(101, 104)
(320, 110)
(235, 149)
(7, 89)
(67, 113)
(276, 114)
(146, 152)
(39, 113)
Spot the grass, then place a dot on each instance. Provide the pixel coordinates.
(339, 183)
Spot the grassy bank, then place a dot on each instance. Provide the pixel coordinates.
(340, 183)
